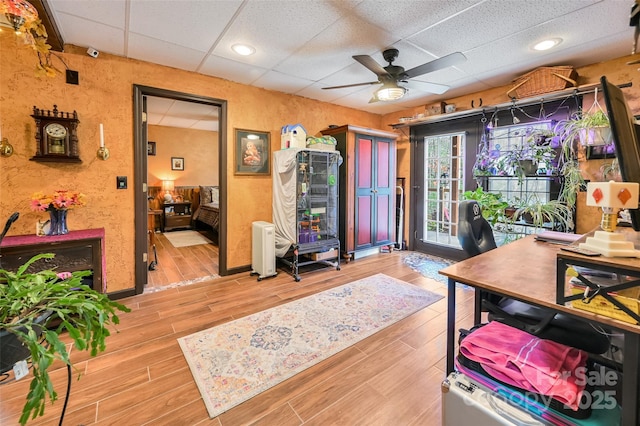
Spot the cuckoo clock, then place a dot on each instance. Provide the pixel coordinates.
(56, 135)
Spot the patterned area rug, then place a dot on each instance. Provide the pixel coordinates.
(427, 265)
(236, 361)
(186, 238)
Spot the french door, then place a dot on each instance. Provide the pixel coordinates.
(443, 155)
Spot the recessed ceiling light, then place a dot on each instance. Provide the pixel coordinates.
(243, 49)
(547, 44)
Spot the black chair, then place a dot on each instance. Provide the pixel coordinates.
(476, 237)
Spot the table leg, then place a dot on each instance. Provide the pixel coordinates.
(451, 323)
(630, 385)
(477, 310)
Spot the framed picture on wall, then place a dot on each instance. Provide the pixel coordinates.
(177, 163)
(252, 153)
(151, 148)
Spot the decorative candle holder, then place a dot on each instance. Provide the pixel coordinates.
(103, 153)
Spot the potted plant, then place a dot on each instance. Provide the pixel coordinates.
(553, 214)
(590, 128)
(36, 307)
(492, 205)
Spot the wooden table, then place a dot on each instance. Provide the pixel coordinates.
(526, 270)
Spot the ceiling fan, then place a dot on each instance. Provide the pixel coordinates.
(391, 75)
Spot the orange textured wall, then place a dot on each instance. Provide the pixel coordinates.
(199, 148)
(104, 95)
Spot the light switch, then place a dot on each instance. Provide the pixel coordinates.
(121, 182)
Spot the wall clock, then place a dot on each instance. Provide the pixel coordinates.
(56, 135)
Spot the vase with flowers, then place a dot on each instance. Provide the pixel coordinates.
(57, 204)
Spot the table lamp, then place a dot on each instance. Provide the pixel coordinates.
(167, 187)
(611, 196)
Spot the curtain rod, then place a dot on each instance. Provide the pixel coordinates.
(565, 93)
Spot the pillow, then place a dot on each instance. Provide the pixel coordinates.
(215, 195)
(205, 194)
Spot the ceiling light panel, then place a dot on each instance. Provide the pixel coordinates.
(547, 44)
(243, 49)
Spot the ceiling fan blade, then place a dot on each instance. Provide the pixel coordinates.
(437, 64)
(352, 85)
(371, 64)
(425, 86)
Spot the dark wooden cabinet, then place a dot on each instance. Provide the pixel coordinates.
(75, 251)
(367, 186)
(176, 215)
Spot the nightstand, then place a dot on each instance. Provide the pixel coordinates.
(176, 215)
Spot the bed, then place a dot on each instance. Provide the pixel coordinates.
(208, 209)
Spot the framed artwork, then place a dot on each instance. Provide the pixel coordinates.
(177, 163)
(151, 148)
(252, 153)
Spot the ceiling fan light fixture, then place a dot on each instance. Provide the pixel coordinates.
(243, 49)
(390, 93)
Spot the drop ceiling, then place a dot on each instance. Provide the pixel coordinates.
(305, 45)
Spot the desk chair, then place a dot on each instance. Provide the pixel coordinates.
(476, 236)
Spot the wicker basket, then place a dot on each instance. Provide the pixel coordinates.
(543, 80)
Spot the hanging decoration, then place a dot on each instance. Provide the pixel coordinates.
(22, 18)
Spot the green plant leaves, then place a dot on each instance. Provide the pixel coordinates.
(81, 312)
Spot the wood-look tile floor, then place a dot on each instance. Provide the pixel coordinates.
(178, 264)
(390, 378)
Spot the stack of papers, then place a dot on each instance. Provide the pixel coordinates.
(557, 237)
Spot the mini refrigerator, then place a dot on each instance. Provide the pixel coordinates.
(263, 245)
(467, 402)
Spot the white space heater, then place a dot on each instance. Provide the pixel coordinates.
(263, 249)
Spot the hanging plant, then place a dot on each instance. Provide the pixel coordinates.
(591, 128)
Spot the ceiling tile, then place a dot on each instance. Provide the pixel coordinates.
(163, 53)
(492, 20)
(192, 24)
(111, 13)
(274, 80)
(276, 29)
(230, 70)
(395, 16)
(333, 49)
(84, 33)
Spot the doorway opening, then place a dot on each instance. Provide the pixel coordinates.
(168, 168)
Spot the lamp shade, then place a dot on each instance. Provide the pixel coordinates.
(621, 195)
(167, 185)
